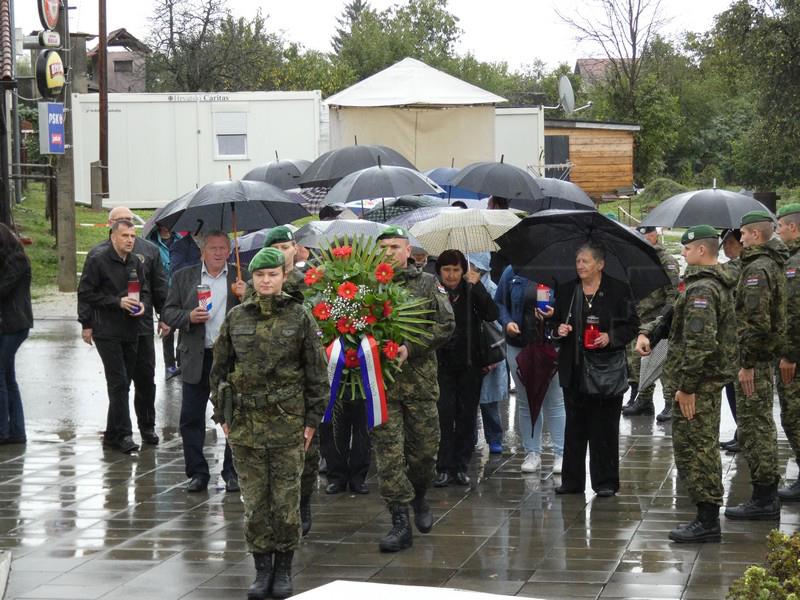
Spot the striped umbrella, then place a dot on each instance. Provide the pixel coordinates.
(468, 230)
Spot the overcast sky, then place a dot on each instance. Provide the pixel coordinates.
(515, 31)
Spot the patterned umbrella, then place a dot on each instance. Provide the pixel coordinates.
(392, 208)
(468, 230)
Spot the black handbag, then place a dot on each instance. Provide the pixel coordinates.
(604, 374)
(491, 346)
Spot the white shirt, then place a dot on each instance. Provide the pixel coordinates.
(219, 300)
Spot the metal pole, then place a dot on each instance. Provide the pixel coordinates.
(5, 196)
(16, 138)
(102, 82)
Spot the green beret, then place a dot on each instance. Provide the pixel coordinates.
(699, 232)
(267, 258)
(644, 229)
(278, 235)
(789, 209)
(756, 216)
(394, 232)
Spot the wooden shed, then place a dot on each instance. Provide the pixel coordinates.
(597, 155)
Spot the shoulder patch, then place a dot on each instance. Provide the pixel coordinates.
(791, 273)
(672, 267)
(699, 302)
(753, 281)
(440, 287)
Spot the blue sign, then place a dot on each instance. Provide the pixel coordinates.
(51, 128)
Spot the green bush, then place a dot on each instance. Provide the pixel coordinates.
(657, 191)
(780, 579)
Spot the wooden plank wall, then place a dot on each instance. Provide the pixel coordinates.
(602, 158)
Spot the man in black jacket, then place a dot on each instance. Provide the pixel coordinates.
(144, 399)
(110, 319)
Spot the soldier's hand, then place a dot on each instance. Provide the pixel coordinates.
(787, 371)
(643, 345)
(308, 435)
(512, 329)
(199, 315)
(86, 334)
(747, 380)
(686, 403)
(402, 354)
(225, 429)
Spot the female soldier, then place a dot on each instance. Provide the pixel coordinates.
(269, 369)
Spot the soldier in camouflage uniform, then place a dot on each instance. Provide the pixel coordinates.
(648, 309)
(786, 377)
(761, 326)
(732, 247)
(700, 361)
(269, 374)
(407, 444)
(281, 238)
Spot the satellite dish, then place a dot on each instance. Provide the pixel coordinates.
(566, 97)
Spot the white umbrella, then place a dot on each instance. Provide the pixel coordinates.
(468, 230)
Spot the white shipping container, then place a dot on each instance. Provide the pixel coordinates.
(164, 145)
(519, 138)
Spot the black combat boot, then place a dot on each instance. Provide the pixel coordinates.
(640, 406)
(763, 506)
(260, 588)
(705, 528)
(305, 513)
(731, 445)
(399, 536)
(790, 493)
(634, 393)
(666, 414)
(423, 518)
(282, 582)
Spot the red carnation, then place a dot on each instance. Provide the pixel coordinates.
(387, 308)
(390, 349)
(342, 325)
(322, 311)
(347, 290)
(371, 319)
(384, 273)
(313, 275)
(342, 252)
(351, 358)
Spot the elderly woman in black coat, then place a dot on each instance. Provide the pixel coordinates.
(597, 319)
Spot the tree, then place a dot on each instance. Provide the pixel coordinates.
(350, 15)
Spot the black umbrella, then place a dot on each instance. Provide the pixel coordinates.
(501, 179)
(381, 181)
(563, 194)
(284, 174)
(171, 208)
(332, 166)
(542, 247)
(719, 208)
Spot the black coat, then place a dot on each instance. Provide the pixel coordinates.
(613, 304)
(471, 305)
(15, 293)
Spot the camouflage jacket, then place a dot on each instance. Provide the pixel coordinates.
(269, 352)
(792, 271)
(702, 338)
(653, 305)
(761, 303)
(419, 375)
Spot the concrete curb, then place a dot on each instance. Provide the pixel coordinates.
(5, 567)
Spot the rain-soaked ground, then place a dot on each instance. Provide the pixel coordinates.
(83, 522)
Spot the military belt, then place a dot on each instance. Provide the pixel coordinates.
(252, 400)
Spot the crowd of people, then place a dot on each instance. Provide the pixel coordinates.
(247, 343)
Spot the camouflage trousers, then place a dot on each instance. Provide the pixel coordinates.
(406, 447)
(757, 433)
(270, 483)
(695, 446)
(634, 371)
(789, 397)
(308, 481)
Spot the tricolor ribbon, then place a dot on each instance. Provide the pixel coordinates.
(335, 370)
(369, 358)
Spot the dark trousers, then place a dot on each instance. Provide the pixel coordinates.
(592, 421)
(144, 383)
(168, 346)
(459, 394)
(345, 444)
(119, 359)
(12, 417)
(492, 423)
(193, 426)
(730, 394)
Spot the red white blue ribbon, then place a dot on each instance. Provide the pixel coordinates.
(369, 359)
(335, 370)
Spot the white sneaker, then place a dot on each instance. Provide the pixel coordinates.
(558, 462)
(532, 463)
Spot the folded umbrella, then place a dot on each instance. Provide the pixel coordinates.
(719, 208)
(468, 230)
(334, 165)
(284, 174)
(501, 179)
(537, 363)
(652, 365)
(543, 246)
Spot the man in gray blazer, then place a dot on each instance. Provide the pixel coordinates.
(199, 327)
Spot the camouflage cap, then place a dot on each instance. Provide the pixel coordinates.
(699, 232)
(394, 232)
(278, 235)
(789, 209)
(267, 258)
(756, 216)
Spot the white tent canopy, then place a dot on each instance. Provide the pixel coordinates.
(432, 118)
